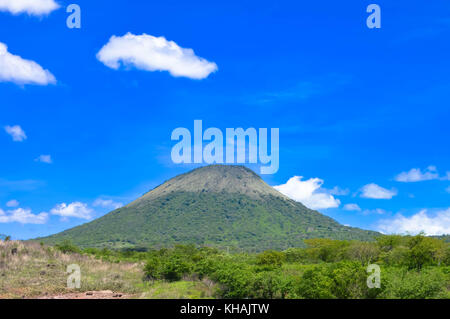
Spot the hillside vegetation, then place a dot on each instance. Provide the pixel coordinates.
(219, 220)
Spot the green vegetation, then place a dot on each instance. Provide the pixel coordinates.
(67, 247)
(412, 267)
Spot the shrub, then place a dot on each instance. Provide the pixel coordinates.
(270, 260)
(67, 247)
(171, 267)
(296, 255)
(152, 268)
(327, 250)
(401, 284)
(343, 280)
(174, 268)
(315, 284)
(272, 285)
(236, 280)
(350, 281)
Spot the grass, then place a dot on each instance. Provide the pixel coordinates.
(29, 270)
(181, 290)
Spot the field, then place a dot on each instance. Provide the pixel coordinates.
(411, 268)
(31, 270)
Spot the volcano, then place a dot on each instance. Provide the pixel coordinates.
(222, 206)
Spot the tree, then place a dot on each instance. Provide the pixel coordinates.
(5, 237)
(364, 252)
(421, 251)
(327, 250)
(389, 242)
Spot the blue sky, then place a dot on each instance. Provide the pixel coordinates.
(356, 107)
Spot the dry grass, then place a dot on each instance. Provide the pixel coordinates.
(30, 270)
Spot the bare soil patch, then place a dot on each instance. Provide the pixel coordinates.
(103, 294)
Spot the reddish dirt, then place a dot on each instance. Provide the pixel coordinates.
(105, 294)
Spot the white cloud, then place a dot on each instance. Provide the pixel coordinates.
(377, 192)
(436, 224)
(107, 203)
(44, 159)
(23, 216)
(416, 175)
(75, 209)
(151, 53)
(352, 207)
(308, 192)
(16, 132)
(12, 203)
(15, 69)
(32, 7)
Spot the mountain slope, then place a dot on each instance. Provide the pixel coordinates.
(219, 205)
